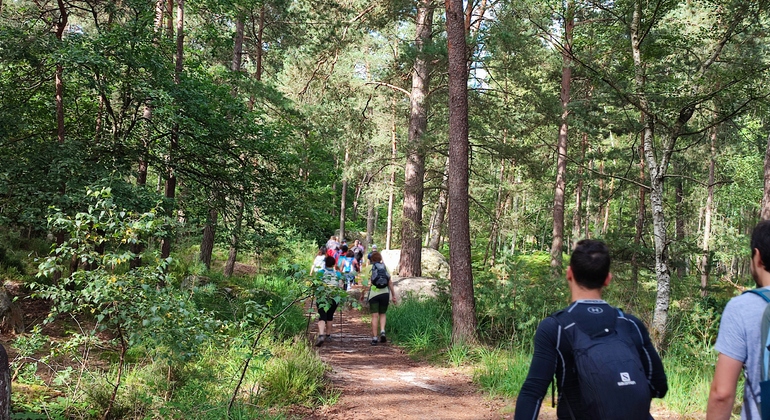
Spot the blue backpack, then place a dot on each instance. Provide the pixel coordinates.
(613, 384)
(764, 381)
(347, 265)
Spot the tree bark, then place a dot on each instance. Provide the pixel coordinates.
(235, 238)
(463, 301)
(561, 145)
(209, 235)
(370, 219)
(765, 208)
(704, 262)
(392, 182)
(681, 260)
(576, 235)
(170, 190)
(61, 24)
(5, 385)
(344, 196)
(437, 224)
(410, 264)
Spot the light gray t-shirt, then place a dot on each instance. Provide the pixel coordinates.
(739, 338)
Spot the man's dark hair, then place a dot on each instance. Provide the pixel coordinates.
(760, 239)
(344, 248)
(590, 263)
(329, 261)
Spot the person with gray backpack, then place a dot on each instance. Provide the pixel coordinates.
(741, 342)
(380, 292)
(604, 362)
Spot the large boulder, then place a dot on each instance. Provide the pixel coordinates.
(414, 287)
(433, 262)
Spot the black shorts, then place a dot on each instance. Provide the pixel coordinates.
(379, 303)
(326, 315)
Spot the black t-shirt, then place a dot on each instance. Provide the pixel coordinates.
(553, 356)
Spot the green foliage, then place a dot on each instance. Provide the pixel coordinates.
(138, 305)
(515, 295)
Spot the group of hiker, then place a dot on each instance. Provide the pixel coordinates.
(604, 363)
(338, 265)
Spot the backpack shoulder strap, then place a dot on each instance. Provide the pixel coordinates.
(763, 293)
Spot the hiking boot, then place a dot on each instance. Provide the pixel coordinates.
(382, 337)
(319, 341)
(374, 341)
(328, 338)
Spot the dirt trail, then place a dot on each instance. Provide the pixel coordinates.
(383, 382)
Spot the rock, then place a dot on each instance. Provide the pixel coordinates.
(240, 269)
(414, 287)
(11, 317)
(433, 262)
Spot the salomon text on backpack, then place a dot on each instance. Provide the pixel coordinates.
(380, 276)
(611, 377)
(764, 379)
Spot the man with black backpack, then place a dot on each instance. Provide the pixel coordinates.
(605, 364)
(741, 341)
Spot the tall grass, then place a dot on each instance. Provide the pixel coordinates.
(423, 327)
(502, 372)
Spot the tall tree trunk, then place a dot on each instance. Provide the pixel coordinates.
(344, 196)
(410, 264)
(59, 101)
(235, 238)
(370, 219)
(209, 229)
(437, 224)
(209, 234)
(259, 54)
(463, 301)
(640, 216)
(681, 260)
(170, 190)
(58, 76)
(561, 146)
(392, 182)
(704, 262)
(491, 247)
(141, 174)
(765, 207)
(576, 235)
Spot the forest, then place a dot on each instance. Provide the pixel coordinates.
(151, 151)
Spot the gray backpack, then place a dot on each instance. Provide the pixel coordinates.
(380, 277)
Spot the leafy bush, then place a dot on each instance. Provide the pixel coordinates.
(515, 295)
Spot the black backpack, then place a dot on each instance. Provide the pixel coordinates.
(379, 276)
(612, 381)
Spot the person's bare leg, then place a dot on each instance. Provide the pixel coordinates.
(321, 328)
(382, 328)
(382, 322)
(375, 319)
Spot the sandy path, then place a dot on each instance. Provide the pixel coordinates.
(382, 382)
